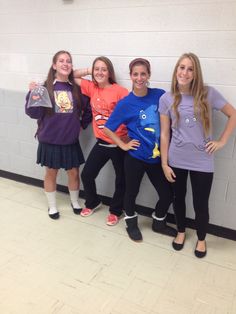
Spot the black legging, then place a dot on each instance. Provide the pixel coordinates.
(201, 183)
(96, 160)
(134, 172)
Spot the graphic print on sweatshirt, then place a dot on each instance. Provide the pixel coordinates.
(148, 127)
(64, 102)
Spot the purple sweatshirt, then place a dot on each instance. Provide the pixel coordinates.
(63, 126)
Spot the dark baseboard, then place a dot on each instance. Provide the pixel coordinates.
(142, 210)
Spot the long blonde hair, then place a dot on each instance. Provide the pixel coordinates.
(197, 90)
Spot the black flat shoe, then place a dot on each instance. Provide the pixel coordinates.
(200, 254)
(54, 216)
(76, 211)
(178, 246)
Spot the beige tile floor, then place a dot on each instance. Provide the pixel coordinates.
(79, 265)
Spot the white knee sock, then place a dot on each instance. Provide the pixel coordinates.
(51, 198)
(74, 195)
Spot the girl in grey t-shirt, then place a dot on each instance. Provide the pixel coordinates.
(186, 143)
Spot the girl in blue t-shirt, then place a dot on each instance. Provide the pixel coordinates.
(139, 113)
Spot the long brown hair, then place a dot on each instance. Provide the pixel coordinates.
(197, 90)
(110, 68)
(52, 76)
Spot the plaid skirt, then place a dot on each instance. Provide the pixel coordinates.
(60, 156)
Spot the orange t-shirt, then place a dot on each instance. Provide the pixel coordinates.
(103, 102)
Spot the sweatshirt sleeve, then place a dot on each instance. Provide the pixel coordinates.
(86, 112)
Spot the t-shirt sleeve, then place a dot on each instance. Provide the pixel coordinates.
(216, 100)
(116, 118)
(87, 87)
(164, 107)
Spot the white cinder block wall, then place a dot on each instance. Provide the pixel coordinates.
(160, 30)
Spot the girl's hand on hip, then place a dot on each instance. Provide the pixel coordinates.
(133, 144)
(213, 146)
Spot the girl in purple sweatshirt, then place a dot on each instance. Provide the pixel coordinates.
(59, 128)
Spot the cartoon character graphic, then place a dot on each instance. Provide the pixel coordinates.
(190, 132)
(64, 102)
(149, 129)
(101, 111)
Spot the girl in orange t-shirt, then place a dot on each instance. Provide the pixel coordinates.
(104, 93)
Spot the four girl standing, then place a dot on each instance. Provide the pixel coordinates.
(185, 111)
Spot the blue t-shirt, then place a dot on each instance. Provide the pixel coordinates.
(141, 117)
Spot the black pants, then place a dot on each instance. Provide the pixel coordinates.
(201, 183)
(97, 158)
(134, 172)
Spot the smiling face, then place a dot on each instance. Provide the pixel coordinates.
(63, 67)
(101, 73)
(139, 77)
(185, 74)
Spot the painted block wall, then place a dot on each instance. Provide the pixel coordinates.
(32, 31)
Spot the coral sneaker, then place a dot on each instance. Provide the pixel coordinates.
(85, 212)
(112, 220)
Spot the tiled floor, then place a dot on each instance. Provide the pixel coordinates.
(79, 265)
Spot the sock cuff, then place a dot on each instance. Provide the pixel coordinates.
(50, 193)
(129, 217)
(158, 218)
(73, 191)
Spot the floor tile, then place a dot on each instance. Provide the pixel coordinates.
(78, 265)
